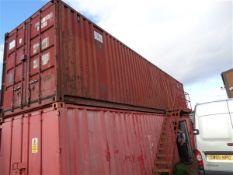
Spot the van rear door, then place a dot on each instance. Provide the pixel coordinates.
(214, 121)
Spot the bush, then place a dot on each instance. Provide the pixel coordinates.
(181, 169)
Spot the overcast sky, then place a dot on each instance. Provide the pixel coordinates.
(191, 40)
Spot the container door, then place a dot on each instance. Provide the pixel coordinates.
(14, 84)
(18, 166)
(29, 145)
(41, 82)
(11, 148)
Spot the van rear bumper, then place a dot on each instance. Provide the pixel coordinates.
(204, 172)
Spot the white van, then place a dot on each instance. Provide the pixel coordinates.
(213, 130)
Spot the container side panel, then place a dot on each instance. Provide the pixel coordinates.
(98, 66)
(103, 141)
(82, 141)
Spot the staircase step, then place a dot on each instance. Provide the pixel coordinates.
(162, 155)
(164, 134)
(162, 162)
(161, 149)
(162, 152)
(166, 130)
(165, 170)
(164, 142)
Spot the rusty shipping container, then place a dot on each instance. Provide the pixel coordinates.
(76, 140)
(227, 78)
(59, 55)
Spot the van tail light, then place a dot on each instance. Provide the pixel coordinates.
(199, 158)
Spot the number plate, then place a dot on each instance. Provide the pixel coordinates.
(220, 157)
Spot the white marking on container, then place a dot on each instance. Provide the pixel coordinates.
(20, 40)
(12, 44)
(35, 63)
(45, 43)
(35, 48)
(45, 58)
(37, 26)
(44, 24)
(44, 20)
(98, 36)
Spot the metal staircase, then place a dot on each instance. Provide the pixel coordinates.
(164, 160)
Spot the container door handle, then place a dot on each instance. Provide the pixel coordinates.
(33, 82)
(17, 167)
(22, 166)
(229, 144)
(17, 88)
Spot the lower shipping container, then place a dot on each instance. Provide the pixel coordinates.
(64, 139)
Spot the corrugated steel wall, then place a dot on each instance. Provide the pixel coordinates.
(104, 141)
(97, 65)
(86, 141)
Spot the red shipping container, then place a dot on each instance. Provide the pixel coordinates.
(59, 55)
(78, 140)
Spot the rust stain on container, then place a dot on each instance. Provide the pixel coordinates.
(58, 55)
(70, 139)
